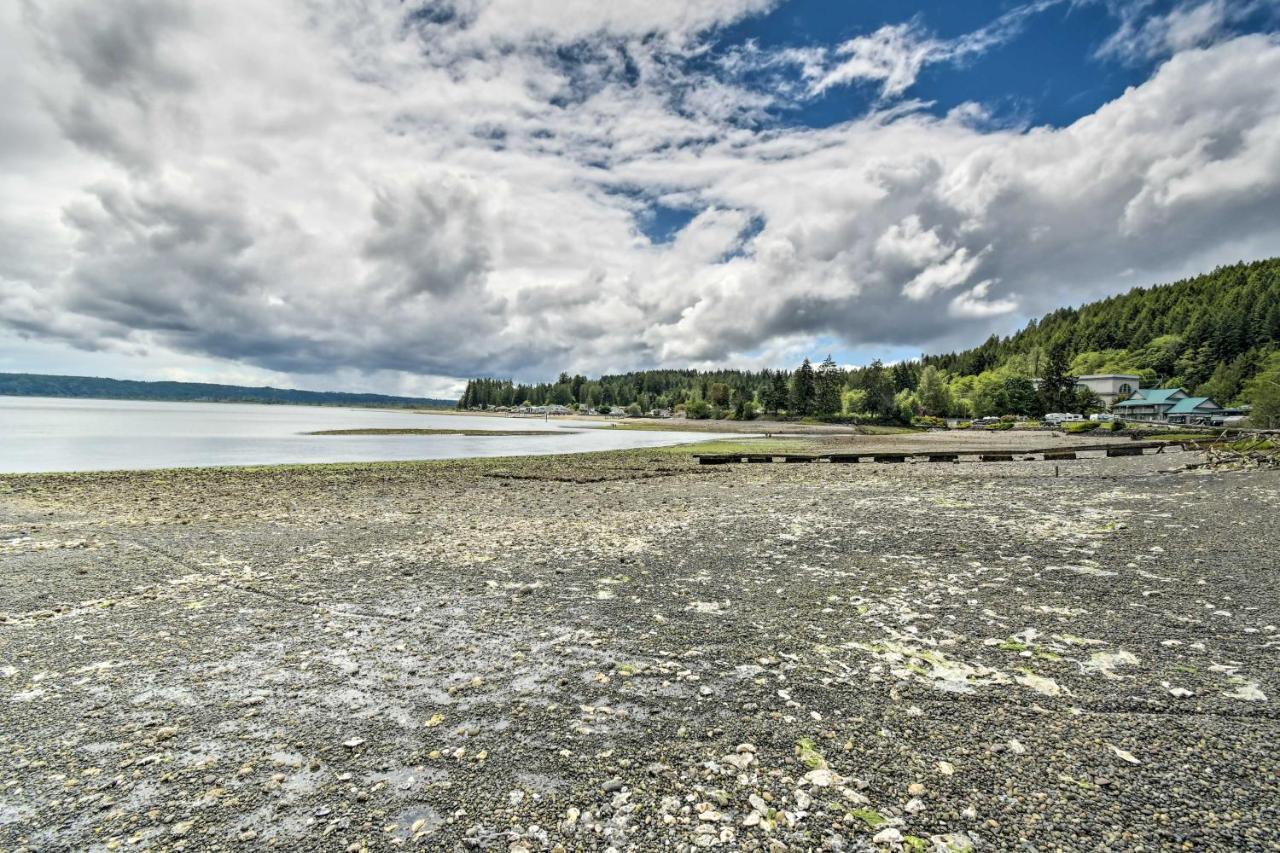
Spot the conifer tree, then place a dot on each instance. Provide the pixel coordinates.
(829, 383)
(803, 391)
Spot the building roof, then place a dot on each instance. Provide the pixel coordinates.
(1110, 376)
(1187, 405)
(1152, 396)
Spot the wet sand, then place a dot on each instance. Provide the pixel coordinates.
(629, 651)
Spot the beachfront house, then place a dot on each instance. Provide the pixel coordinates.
(1169, 405)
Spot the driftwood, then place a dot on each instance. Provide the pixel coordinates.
(1254, 450)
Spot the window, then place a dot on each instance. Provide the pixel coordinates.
(1126, 388)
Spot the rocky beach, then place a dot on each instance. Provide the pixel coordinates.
(629, 651)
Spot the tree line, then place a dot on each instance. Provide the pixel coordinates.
(50, 385)
(1215, 335)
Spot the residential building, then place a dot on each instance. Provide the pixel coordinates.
(1172, 405)
(1111, 388)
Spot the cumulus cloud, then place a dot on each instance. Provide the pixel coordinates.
(352, 190)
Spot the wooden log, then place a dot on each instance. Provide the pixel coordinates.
(795, 458)
(1124, 451)
(1056, 455)
(889, 458)
(943, 457)
(996, 457)
(844, 458)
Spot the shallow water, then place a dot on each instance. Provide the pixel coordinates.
(46, 434)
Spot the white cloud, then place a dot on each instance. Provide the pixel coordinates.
(337, 192)
(1189, 24)
(894, 55)
(974, 303)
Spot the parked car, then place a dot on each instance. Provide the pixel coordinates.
(1059, 418)
(1102, 417)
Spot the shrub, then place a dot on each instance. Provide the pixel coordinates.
(604, 410)
(1000, 425)
(1080, 426)
(697, 409)
(929, 421)
(963, 425)
(1008, 418)
(1115, 426)
(633, 411)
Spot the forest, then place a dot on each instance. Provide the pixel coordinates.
(1214, 335)
(50, 385)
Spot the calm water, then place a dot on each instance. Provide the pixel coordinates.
(40, 434)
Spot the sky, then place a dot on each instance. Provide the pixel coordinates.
(394, 196)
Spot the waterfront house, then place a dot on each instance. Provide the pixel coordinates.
(1171, 405)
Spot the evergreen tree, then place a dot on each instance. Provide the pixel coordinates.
(803, 391)
(830, 381)
(879, 389)
(1057, 386)
(776, 393)
(905, 375)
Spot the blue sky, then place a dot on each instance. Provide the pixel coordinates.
(395, 196)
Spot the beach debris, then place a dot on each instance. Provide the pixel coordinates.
(1123, 754)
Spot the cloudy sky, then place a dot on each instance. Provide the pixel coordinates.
(386, 195)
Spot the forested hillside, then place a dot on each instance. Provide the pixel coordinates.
(1216, 335)
(1210, 334)
(42, 385)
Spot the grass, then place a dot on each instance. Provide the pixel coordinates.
(874, 429)
(1245, 445)
(637, 426)
(745, 445)
(757, 425)
(481, 432)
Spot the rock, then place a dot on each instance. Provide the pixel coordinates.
(1123, 755)
(352, 743)
(822, 777)
(889, 835)
(614, 784)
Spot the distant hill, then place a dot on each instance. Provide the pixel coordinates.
(42, 385)
(1217, 335)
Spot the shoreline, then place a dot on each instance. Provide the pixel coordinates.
(745, 443)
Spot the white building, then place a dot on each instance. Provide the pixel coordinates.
(1110, 387)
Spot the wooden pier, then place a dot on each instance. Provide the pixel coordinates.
(1045, 454)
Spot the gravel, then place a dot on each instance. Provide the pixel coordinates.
(629, 651)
